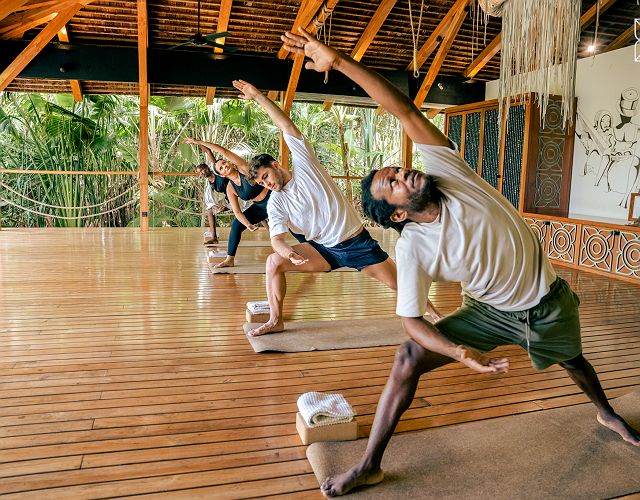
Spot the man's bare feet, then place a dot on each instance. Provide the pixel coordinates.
(343, 483)
(271, 326)
(618, 425)
(227, 262)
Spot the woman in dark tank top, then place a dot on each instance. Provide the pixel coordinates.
(237, 188)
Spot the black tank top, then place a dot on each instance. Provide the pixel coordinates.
(245, 190)
(219, 185)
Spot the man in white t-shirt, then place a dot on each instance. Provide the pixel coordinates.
(308, 203)
(456, 227)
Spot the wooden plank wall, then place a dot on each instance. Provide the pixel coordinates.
(124, 370)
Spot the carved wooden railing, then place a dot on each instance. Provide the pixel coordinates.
(609, 249)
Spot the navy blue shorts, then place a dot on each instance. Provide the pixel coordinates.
(357, 252)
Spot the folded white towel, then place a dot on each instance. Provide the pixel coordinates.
(258, 307)
(217, 253)
(324, 409)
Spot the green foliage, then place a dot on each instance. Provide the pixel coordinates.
(101, 133)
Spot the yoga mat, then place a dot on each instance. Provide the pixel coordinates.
(247, 243)
(326, 335)
(259, 268)
(560, 453)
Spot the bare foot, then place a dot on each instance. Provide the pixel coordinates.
(227, 262)
(339, 485)
(617, 424)
(271, 326)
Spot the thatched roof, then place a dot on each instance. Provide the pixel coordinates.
(255, 27)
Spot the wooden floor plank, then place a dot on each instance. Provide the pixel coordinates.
(124, 369)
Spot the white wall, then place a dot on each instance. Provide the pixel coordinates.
(606, 162)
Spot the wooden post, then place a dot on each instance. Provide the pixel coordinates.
(406, 151)
(144, 115)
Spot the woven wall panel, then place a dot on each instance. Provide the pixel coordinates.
(455, 128)
(472, 139)
(512, 168)
(491, 151)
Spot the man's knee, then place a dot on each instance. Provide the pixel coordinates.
(407, 359)
(275, 262)
(577, 363)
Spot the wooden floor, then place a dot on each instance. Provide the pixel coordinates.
(124, 369)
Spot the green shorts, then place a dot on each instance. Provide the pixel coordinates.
(549, 332)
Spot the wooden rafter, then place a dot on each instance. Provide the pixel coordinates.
(311, 23)
(484, 57)
(621, 40)
(433, 112)
(494, 46)
(437, 36)
(306, 13)
(370, 32)
(458, 12)
(37, 44)
(76, 90)
(10, 6)
(443, 50)
(223, 23)
(16, 24)
(143, 44)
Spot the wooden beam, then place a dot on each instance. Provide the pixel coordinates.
(376, 22)
(223, 23)
(306, 13)
(433, 112)
(15, 25)
(372, 28)
(76, 90)
(10, 6)
(437, 36)
(210, 95)
(494, 46)
(406, 151)
(590, 15)
(621, 40)
(143, 44)
(273, 95)
(36, 45)
(441, 55)
(484, 57)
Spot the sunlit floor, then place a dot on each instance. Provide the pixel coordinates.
(124, 369)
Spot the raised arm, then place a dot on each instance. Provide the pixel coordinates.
(281, 120)
(209, 148)
(324, 58)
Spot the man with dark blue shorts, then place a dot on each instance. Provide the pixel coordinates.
(308, 203)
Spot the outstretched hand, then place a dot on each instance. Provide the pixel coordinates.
(323, 57)
(297, 259)
(190, 140)
(248, 90)
(481, 363)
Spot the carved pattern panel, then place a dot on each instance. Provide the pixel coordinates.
(541, 229)
(627, 260)
(562, 241)
(551, 144)
(596, 248)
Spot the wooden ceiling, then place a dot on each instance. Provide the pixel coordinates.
(255, 27)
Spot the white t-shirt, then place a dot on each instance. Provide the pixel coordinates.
(311, 203)
(479, 239)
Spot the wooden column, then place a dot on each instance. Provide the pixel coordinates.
(144, 115)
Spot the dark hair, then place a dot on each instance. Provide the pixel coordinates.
(205, 167)
(261, 160)
(380, 211)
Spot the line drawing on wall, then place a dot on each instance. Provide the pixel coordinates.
(611, 141)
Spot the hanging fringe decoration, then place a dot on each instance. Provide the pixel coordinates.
(539, 50)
